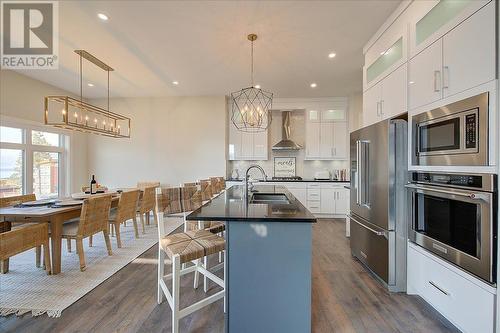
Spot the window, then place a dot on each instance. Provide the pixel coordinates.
(32, 161)
(11, 172)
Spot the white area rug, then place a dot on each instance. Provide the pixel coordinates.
(27, 288)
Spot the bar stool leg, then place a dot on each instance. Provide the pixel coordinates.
(196, 274)
(161, 273)
(205, 279)
(176, 268)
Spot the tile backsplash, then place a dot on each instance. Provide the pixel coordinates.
(304, 168)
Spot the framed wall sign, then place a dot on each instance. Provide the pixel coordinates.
(284, 167)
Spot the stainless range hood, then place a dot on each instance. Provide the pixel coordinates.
(286, 143)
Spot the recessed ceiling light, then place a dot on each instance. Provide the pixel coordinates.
(102, 16)
(90, 84)
(411, 82)
(257, 86)
(313, 85)
(331, 55)
(175, 82)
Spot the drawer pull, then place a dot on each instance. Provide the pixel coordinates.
(439, 288)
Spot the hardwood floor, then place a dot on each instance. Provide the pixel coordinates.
(345, 298)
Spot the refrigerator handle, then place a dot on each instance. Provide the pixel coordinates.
(363, 173)
(358, 172)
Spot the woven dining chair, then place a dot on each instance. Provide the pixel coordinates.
(215, 186)
(147, 205)
(15, 200)
(143, 185)
(23, 238)
(206, 190)
(93, 219)
(126, 210)
(190, 200)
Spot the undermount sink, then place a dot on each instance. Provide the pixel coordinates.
(269, 198)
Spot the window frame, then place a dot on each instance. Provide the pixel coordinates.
(28, 149)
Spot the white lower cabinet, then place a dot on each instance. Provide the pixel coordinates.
(463, 299)
(322, 199)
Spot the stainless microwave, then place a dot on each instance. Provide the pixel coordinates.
(455, 134)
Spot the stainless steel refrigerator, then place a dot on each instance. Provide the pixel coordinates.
(378, 200)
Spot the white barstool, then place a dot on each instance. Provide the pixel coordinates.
(186, 249)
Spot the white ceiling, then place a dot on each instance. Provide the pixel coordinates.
(203, 45)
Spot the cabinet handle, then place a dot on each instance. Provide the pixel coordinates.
(439, 288)
(437, 76)
(331, 152)
(446, 77)
(378, 113)
(382, 108)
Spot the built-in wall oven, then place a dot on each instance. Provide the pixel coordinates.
(455, 134)
(454, 216)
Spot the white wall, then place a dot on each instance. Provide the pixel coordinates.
(173, 140)
(21, 98)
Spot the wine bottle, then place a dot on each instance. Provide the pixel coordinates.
(93, 185)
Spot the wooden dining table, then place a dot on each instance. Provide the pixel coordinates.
(43, 214)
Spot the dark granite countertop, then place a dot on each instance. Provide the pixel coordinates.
(294, 180)
(230, 206)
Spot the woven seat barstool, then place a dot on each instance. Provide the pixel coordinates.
(186, 249)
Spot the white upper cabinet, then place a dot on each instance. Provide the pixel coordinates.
(371, 105)
(340, 139)
(386, 99)
(313, 139)
(469, 52)
(393, 100)
(245, 145)
(462, 59)
(260, 146)
(331, 114)
(313, 115)
(234, 142)
(326, 140)
(424, 76)
(430, 20)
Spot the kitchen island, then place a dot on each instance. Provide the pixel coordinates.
(268, 258)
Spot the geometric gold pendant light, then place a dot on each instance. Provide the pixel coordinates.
(251, 106)
(75, 114)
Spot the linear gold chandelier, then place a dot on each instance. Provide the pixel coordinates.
(75, 114)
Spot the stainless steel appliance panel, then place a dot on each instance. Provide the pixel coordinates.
(371, 245)
(373, 171)
(455, 134)
(456, 222)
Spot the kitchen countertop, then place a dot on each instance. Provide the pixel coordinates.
(230, 206)
(294, 180)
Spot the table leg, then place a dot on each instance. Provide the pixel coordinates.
(56, 231)
(4, 264)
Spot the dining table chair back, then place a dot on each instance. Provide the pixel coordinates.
(168, 200)
(190, 198)
(148, 200)
(206, 189)
(143, 185)
(190, 184)
(15, 200)
(126, 210)
(222, 183)
(94, 216)
(26, 237)
(215, 185)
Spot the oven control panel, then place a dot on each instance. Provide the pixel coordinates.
(470, 130)
(462, 180)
